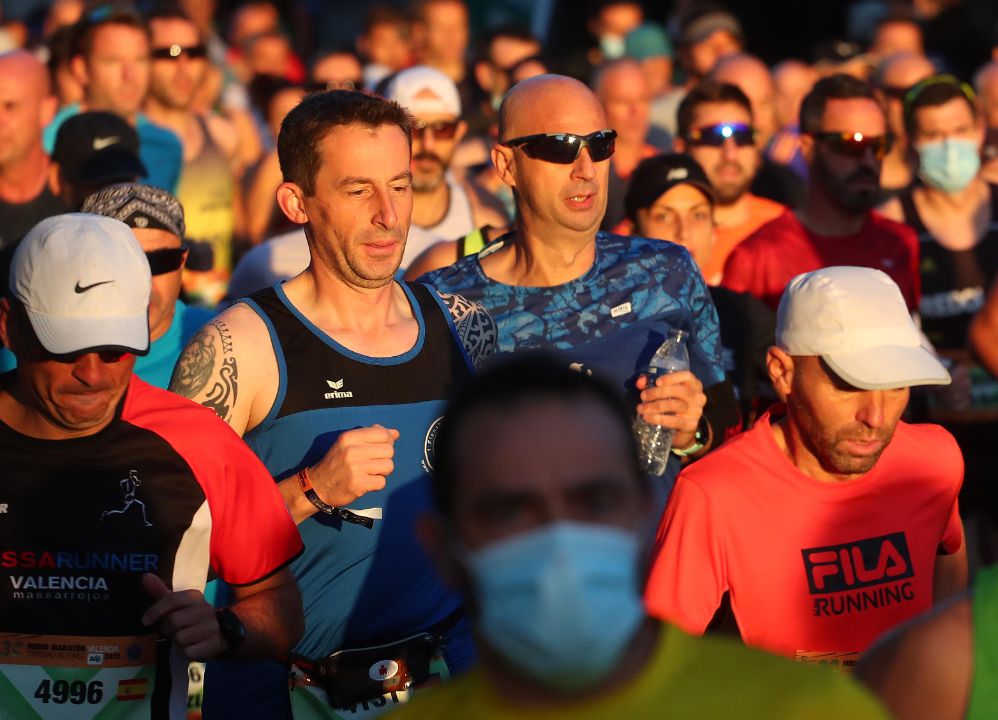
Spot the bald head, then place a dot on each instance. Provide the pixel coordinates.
(25, 106)
(557, 198)
(750, 75)
(615, 73)
(897, 35)
(986, 84)
(893, 77)
(793, 80)
(541, 101)
(902, 70)
(25, 69)
(623, 90)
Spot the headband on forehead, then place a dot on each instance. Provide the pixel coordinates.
(139, 206)
(912, 95)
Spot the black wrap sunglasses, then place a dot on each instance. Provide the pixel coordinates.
(166, 260)
(564, 148)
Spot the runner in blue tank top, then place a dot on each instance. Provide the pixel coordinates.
(337, 380)
(604, 302)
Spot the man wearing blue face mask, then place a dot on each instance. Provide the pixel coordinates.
(545, 533)
(955, 213)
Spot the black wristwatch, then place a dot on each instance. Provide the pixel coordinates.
(232, 630)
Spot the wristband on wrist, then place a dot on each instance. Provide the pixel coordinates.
(313, 497)
(700, 439)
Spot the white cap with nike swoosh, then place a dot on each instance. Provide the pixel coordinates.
(84, 282)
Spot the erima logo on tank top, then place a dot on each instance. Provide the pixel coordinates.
(336, 390)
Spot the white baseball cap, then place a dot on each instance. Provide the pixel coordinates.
(424, 90)
(84, 283)
(856, 320)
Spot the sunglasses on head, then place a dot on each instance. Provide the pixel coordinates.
(564, 148)
(441, 129)
(855, 144)
(166, 260)
(717, 135)
(175, 52)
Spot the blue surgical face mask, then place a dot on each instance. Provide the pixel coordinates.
(948, 165)
(559, 603)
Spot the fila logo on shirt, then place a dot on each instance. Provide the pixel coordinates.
(336, 391)
(859, 575)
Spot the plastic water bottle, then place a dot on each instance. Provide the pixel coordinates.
(655, 441)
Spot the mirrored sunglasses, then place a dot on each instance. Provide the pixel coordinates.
(717, 135)
(855, 144)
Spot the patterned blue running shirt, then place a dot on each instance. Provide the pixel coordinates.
(612, 319)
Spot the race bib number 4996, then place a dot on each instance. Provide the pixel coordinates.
(71, 677)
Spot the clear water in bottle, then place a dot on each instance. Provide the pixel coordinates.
(655, 441)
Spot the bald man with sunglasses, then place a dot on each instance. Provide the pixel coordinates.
(844, 141)
(603, 302)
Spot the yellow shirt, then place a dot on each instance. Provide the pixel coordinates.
(688, 677)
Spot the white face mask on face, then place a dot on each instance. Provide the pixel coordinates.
(560, 602)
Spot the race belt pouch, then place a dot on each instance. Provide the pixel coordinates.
(358, 674)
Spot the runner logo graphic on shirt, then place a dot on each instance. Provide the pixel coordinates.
(129, 485)
(853, 567)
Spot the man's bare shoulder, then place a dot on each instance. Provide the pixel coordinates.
(226, 365)
(925, 664)
(475, 326)
(486, 207)
(438, 255)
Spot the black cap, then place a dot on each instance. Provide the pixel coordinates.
(98, 148)
(659, 174)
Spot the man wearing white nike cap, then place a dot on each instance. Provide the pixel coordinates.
(119, 499)
(832, 520)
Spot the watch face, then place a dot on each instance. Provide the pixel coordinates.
(231, 627)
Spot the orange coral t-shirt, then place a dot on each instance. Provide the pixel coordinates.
(726, 237)
(814, 570)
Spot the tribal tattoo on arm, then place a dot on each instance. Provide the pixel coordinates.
(194, 370)
(475, 326)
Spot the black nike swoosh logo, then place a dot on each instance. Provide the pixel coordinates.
(83, 288)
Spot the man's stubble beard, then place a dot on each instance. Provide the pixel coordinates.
(841, 192)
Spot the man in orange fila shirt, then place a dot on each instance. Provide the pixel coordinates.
(831, 520)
